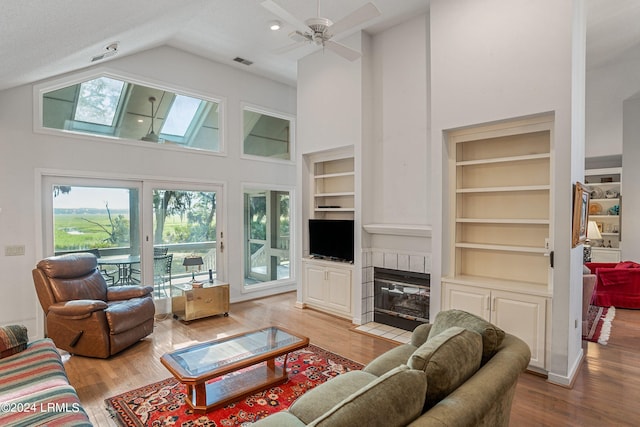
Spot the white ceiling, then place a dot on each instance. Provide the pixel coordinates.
(40, 39)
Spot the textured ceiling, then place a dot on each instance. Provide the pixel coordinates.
(40, 39)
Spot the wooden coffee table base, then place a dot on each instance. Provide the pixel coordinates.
(205, 397)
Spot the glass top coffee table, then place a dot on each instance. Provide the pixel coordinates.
(200, 366)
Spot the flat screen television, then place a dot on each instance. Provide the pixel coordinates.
(331, 239)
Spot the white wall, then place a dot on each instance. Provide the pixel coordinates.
(608, 87)
(23, 152)
(399, 172)
(630, 178)
(493, 60)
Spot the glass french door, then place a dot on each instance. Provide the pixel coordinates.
(186, 235)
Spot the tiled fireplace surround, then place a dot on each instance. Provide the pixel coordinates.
(391, 259)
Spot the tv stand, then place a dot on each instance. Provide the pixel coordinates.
(327, 286)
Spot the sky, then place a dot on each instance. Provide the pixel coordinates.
(93, 197)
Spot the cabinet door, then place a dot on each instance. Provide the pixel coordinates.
(339, 286)
(523, 316)
(467, 298)
(315, 284)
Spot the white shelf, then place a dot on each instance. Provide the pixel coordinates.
(334, 175)
(504, 189)
(334, 209)
(524, 221)
(503, 159)
(502, 248)
(340, 194)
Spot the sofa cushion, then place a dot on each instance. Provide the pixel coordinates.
(391, 359)
(13, 339)
(394, 399)
(492, 336)
(449, 359)
(319, 400)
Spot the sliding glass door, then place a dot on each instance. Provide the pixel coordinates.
(141, 231)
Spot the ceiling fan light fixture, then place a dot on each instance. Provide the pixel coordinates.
(275, 25)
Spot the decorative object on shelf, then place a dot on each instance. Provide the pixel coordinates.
(611, 194)
(595, 208)
(580, 214)
(614, 210)
(597, 193)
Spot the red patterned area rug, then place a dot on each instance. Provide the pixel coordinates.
(599, 324)
(162, 403)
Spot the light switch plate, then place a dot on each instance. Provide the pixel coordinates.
(14, 250)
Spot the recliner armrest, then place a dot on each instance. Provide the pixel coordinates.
(77, 308)
(121, 293)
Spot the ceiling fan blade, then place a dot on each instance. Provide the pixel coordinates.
(355, 18)
(342, 50)
(274, 8)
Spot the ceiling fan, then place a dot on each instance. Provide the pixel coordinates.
(320, 31)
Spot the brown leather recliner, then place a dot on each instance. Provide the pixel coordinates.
(86, 317)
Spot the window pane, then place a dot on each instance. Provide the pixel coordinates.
(101, 220)
(184, 225)
(113, 108)
(267, 241)
(181, 115)
(266, 136)
(98, 101)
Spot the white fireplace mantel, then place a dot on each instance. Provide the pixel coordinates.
(414, 230)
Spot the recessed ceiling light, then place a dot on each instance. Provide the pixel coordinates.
(274, 25)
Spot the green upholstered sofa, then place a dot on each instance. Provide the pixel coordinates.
(458, 371)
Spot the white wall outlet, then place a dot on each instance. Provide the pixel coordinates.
(14, 250)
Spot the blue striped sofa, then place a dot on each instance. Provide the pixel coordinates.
(34, 389)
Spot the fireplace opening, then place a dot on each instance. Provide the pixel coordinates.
(401, 298)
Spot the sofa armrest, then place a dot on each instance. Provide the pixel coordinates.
(485, 398)
(77, 309)
(121, 293)
(420, 334)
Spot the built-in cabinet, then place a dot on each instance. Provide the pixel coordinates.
(328, 285)
(499, 233)
(523, 315)
(605, 209)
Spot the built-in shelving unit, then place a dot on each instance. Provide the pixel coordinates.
(327, 285)
(333, 191)
(605, 209)
(500, 197)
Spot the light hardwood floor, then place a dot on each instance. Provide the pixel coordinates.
(605, 393)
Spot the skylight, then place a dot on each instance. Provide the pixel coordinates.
(181, 115)
(98, 101)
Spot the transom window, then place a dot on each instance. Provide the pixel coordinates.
(267, 134)
(107, 106)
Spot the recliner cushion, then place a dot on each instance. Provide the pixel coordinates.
(492, 336)
(125, 315)
(394, 399)
(448, 359)
(390, 359)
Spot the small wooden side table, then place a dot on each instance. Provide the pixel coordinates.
(190, 303)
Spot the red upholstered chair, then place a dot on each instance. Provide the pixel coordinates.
(617, 284)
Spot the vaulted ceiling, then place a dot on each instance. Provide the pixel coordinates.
(40, 39)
